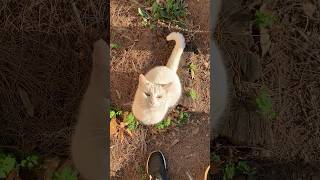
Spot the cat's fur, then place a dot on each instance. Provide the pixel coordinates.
(219, 80)
(89, 143)
(160, 89)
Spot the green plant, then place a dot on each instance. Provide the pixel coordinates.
(114, 113)
(244, 168)
(115, 46)
(263, 19)
(7, 164)
(193, 94)
(66, 173)
(192, 69)
(30, 161)
(173, 11)
(163, 124)
(215, 157)
(229, 171)
(265, 104)
(131, 121)
(183, 118)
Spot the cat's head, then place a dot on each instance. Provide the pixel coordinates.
(153, 94)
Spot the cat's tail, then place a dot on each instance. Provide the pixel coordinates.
(174, 59)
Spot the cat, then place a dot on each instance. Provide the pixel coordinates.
(219, 79)
(89, 146)
(160, 89)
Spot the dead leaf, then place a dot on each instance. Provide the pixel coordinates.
(118, 94)
(192, 74)
(121, 135)
(265, 41)
(13, 175)
(129, 132)
(113, 126)
(189, 175)
(26, 102)
(308, 7)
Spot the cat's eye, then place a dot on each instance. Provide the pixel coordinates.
(147, 94)
(159, 97)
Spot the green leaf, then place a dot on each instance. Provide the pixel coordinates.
(65, 174)
(263, 19)
(193, 94)
(115, 45)
(244, 168)
(264, 104)
(30, 161)
(7, 164)
(3, 174)
(23, 163)
(112, 114)
(142, 13)
(229, 171)
(215, 157)
(130, 118)
(163, 124)
(169, 5)
(183, 118)
(131, 121)
(155, 8)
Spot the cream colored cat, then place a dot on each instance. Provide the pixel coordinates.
(219, 79)
(160, 89)
(89, 143)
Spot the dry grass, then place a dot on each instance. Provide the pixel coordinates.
(45, 52)
(122, 153)
(291, 73)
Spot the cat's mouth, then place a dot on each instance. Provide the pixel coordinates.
(153, 106)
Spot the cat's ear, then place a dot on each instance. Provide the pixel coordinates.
(168, 87)
(142, 79)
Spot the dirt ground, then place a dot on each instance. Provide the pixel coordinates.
(290, 71)
(186, 147)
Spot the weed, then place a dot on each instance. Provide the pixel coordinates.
(215, 157)
(163, 124)
(66, 173)
(193, 94)
(183, 118)
(265, 104)
(263, 19)
(141, 170)
(114, 113)
(229, 171)
(192, 69)
(172, 12)
(115, 46)
(30, 161)
(7, 164)
(131, 122)
(245, 169)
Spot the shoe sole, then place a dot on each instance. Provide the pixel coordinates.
(165, 161)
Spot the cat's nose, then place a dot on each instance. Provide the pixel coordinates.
(152, 103)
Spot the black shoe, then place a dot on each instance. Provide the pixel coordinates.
(157, 166)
